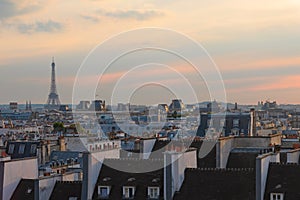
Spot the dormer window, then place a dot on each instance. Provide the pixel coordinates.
(276, 196)
(236, 122)
(103, 191)
(21, 148)
(209, 122)
(33, 149)
(11, 148)
(222, 123)
(153, 192)
(128, 192)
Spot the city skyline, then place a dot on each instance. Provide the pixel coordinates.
(255, 45)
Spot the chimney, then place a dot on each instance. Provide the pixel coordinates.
(175, 163)
(262, 168)
(62, 144)
(252, 122)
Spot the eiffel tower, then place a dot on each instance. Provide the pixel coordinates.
(53, 99)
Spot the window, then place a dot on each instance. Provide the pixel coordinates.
(222, 123)
(235, 131)
(209, 122)
(103, 191)
(276, 196)
(29, 190)
(21, 148)
(33, 149)
(11, 148)
(236, 122)
(128, 192)
(153, 192)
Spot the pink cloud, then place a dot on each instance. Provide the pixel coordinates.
(286, 82)
(276, 61)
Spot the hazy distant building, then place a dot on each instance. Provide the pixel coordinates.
(64, 108)
(13, 105)
(16, 115)
(163, 107)
(211, 107)
(226, 123)
(294, 121)
(176, 106)
(269, 105)
(123, 106)
(97, 105)
(83, 105)
(28, 106)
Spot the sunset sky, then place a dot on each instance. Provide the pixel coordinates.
(255, 44)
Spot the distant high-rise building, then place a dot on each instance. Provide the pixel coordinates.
(227, 123)
(53, 99)
(123, 107)
(83, 105)
(97, 105)
(176, 106)
(28, 106)
(13, 105)
(269, 105)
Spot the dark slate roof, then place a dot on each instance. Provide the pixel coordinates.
(17, 153)
(63, 190)
(241, 160)
(245, 157)
(283, 178)
(209, 160)
(283, 157)
(116, 178)
(218, 184)
(65, 155)
(25, 190)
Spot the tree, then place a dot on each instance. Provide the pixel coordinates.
(58, 126)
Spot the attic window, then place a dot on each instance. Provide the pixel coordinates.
(131, 179)
(11, 148)
(103, 191)
(222, 123)
(21, 148)
(33, 149)
(106, 179)
(153, 192)
(276, 196)
(29, 190)
(128, 192)
(155, 180)
(236, 122)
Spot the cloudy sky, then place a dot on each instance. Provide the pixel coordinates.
(255, 44)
